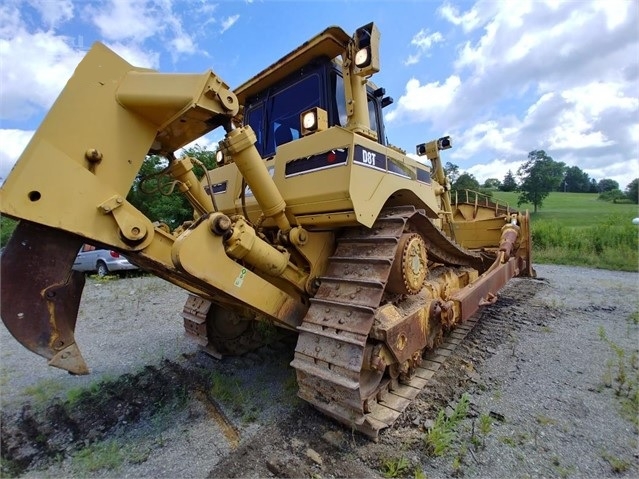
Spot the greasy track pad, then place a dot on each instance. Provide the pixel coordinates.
(40, 294)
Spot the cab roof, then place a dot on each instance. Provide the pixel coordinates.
(330, 43)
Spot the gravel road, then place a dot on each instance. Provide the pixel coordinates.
(549, 372)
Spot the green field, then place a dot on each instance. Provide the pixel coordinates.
(579, 229)
(574, 209)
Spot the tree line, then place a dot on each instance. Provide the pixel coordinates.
(539, 176)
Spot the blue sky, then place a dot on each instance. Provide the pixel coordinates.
(503, 78)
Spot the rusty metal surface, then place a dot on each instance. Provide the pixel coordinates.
(410, 265)
(194, 315)
(40, 294)
(485, 288)
(330, 352)
(340, 332)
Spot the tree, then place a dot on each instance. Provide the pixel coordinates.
(7, 225)
(466, 181)
(155, 194)
(492, 183)
(452, 171)
(509, 183)
(539, 176)
(606, 185)
(575, 181)
(615, 196)
(632, 191)
(592, 188)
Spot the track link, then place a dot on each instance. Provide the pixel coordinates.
(333, 337)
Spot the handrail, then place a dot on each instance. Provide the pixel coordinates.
(474, 198)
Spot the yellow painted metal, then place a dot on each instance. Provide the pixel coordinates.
(182, 170)
(202, 256)
(330, 43)
(76, 172)
(95, 138)
(249, 163)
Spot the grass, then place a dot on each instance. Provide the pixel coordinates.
(102, 455)
(576, 210)
(618, 466)
(440, 437)
(43, 391)
(622, 376)
(580, 230)
(395, 467)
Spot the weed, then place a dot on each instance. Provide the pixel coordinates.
(43, 391)
(634, 318)
(485, 426)
(509, 441)
(250, 416)
(546, 329)
(9, 468)
(139, 456)
(617, 465)
(103, 455)
(267, 330)
(419, 473)
(439, 437)
(458, 461)
(545, 420)
(395, 467)
(622, 375)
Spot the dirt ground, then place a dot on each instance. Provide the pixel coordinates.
(547, 382)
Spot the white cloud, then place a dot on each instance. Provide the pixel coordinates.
(12, 144)
(41, 63)
(497, 168)
(423, 40)
(567, 77)
(228, 22)
(133, 24)
(469, 20)
(53, 12)
(424, 102)
(136, 55)
(208, 142)
(120, 20)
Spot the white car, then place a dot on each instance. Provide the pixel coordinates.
(101, 261)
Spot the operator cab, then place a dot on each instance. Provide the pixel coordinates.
(274, 114)
(313, 77)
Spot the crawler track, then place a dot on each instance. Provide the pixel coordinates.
(334, 336)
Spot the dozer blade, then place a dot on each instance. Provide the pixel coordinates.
(40, 294)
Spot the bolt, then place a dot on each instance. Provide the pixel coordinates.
(352, 295)
(135, 231)
(220, 224)
(341, 320)
(93, 155)
(50, 294)
(120, 200)
(318, 349)
(20, 315)
(349, 313)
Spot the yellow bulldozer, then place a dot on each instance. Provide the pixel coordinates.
(311, 220)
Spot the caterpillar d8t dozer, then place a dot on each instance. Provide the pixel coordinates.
(311, 221)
